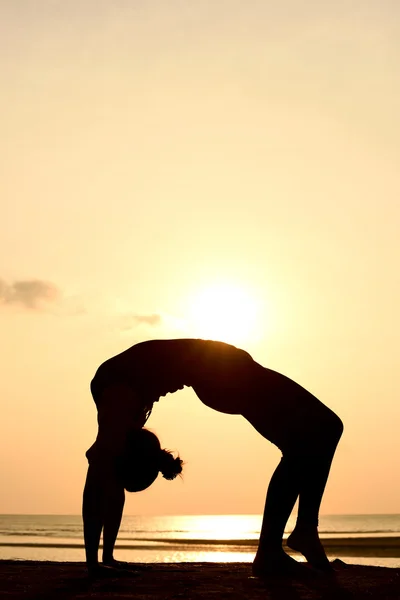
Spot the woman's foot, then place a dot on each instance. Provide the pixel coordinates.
(276, 563)
(125, 566)
(307, 542)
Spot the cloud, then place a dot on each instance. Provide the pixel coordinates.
(131, 321)
(148, 319)
(29, 293)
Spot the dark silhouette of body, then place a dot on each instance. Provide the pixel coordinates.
(228, 380)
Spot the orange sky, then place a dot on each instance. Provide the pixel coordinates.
(150, 151)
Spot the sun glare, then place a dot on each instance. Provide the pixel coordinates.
(224, 312)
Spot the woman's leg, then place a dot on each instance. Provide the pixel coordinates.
(314, 468)
(282, 493)
(303, 471)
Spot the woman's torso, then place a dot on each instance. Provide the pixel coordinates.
(225, 378)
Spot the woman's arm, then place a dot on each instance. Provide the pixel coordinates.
(103, 501)
(112, 522)
(93, 516)
(120, 411)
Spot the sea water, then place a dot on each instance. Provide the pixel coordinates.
(202, 538)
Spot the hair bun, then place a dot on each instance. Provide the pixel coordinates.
(170, 467)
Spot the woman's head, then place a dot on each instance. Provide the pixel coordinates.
(143, 459)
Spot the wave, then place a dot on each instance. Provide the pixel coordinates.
(161, 543)
(78, 535)
(42, 534)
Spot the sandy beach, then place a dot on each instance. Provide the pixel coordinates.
(31, 580)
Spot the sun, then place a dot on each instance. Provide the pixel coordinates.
(224, 312)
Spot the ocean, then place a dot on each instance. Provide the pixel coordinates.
(367, 539)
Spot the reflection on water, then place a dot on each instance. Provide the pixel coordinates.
(191, 527)
(225, 557)
(225, 527)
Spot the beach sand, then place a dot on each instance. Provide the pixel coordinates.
(31, 580)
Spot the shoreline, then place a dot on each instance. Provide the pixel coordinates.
(37, 580)
(379, 547)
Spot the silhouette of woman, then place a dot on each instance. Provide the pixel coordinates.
(228, 380)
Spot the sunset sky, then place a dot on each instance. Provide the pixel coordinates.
(199, 168)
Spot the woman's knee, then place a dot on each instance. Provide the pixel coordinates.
(336, 426)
